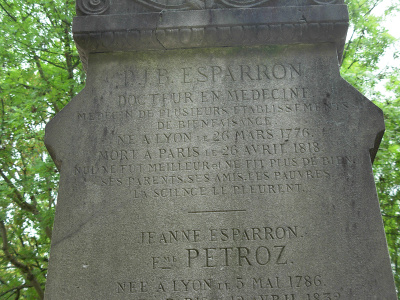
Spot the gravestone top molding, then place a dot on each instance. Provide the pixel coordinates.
(132, 25)
(98, 7)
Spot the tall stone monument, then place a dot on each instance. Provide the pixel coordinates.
(216, 154)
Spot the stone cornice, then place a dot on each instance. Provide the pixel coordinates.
(211, 28)
(98, 7)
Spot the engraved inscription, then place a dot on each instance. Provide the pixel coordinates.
(269, 287)
(216, 145)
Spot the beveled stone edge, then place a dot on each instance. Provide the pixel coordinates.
(211, 28)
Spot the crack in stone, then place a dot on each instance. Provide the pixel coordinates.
(156, 30)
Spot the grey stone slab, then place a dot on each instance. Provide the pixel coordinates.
(235, 173)
(216, 154)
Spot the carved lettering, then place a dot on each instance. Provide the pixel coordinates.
(235, 256)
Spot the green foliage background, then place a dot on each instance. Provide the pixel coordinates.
(40, 72)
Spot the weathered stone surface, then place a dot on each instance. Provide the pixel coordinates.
(219, 173)
(236, 170)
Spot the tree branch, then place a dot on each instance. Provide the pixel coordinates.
(19, 198)
(3, 281)
(22, 267)
(17, 289)
(14, 19)
(21, 203)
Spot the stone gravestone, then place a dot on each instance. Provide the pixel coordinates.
(216, 154)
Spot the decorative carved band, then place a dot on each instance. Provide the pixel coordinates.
(243, 3)
(181, 5)
(201, 4)
(96, 7)
(93, 7)
(325, 1)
